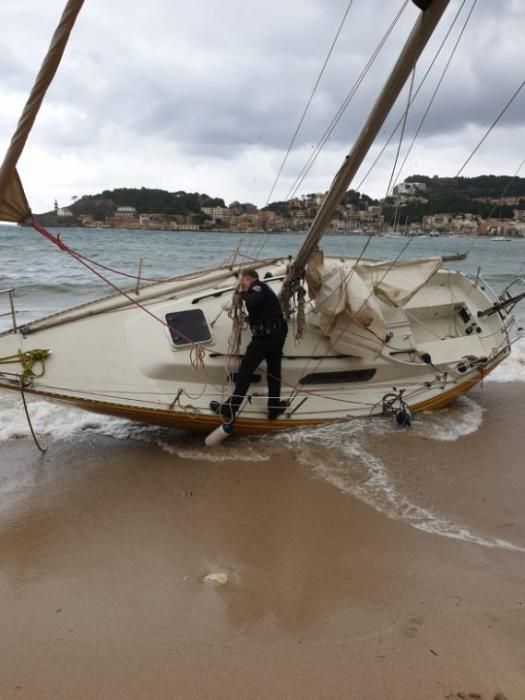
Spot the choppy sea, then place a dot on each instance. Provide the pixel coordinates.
(350, 456)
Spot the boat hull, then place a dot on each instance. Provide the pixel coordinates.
(117, 357)
(200, 423)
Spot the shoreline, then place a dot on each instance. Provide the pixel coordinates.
(262, 232)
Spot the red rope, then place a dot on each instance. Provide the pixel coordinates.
(111, 269)
(63, 246)
(83, 261)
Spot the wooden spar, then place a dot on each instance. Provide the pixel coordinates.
(418, 39)
(43, 81)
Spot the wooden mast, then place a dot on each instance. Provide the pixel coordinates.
(432, 11)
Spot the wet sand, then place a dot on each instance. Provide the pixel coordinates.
(104, 545)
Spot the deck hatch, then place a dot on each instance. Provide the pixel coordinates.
(356, 375)
(188, 327)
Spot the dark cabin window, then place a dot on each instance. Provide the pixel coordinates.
(187, 327)
(356, 375)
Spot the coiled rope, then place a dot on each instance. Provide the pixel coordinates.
(28, 359)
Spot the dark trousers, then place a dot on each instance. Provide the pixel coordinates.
(269, 348)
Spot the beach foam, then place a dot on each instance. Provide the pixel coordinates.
(513, 368)
(56, 421)
(340, 454)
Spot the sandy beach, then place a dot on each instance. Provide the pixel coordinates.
(104, 544)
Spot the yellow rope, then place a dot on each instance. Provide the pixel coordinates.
(28, 360)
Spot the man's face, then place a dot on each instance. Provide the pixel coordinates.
(247, 281)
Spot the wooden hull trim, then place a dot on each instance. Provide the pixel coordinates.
(201, 423)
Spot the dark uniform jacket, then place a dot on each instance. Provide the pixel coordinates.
(264, 308)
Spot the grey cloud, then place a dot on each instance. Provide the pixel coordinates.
(217, 79)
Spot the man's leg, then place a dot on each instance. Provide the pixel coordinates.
(252, 359)
(274, 356)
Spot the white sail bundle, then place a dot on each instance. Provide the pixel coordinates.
(352, 300)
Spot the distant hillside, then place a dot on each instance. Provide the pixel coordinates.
(472, 187)
(145, 200)
(480, 196)
(483, 196)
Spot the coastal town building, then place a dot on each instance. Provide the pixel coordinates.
(217, 214)
(125, 213)
(410, 189)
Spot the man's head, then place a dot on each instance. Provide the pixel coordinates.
(248, 277)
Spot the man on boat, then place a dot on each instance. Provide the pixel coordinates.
(269, 330)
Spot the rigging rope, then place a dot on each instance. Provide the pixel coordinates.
(335, 120)
(112, 269)
(402, 134)
(343, 107)
(196, 355)
(506, 189)
(42, 449)
(28, 359)
(416, 93)
(491, 127)
(436, 90)
(310, 100)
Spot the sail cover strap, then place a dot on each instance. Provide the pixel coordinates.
(13, 202)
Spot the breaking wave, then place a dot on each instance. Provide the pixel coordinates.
(513, 368)
(57, 421)
(339, 453)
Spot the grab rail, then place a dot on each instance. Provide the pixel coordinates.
(12, 312)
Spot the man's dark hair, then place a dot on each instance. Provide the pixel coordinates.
(250, 273)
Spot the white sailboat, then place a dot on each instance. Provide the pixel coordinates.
(366, 337)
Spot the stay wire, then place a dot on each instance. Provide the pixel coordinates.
(309, 101)
(335, 120)
(436, 90)
(403, 129)
(343, 107)
(506, 188)
(492, 127)
(416, 93)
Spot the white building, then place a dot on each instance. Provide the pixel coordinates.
(217, 213)
(410, 189)
(125, 213)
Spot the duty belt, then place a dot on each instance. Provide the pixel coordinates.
(268, 327)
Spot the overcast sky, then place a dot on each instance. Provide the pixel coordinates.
(205, 95)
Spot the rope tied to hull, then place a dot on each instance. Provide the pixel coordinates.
(40, 448)
(236, 315)
(28, 360)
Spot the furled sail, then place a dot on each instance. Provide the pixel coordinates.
(13, 205)
(13, 202)
(350, 300)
